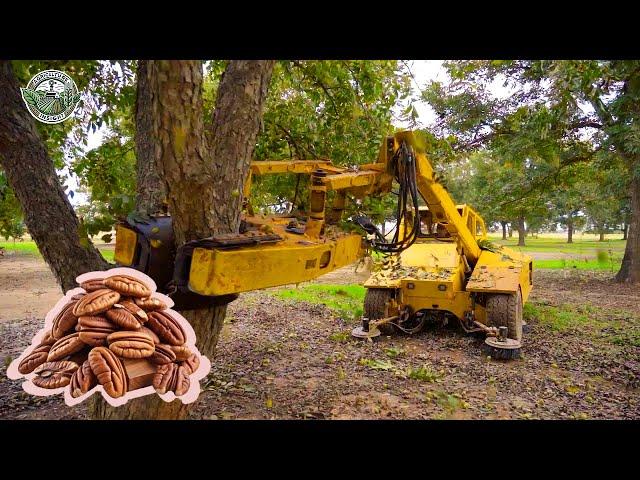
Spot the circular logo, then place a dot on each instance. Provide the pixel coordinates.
(51, 96)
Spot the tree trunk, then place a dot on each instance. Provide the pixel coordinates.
(504, 230)
(601, 238)
(151, 191)
(625, 230)
(204, 179)
(521, 231)
(630, 269)
(510, 230)
(48, 214)
(570, 229)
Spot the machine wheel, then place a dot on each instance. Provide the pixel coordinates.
(375, 302)
(505, 310)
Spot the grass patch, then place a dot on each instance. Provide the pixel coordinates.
(614, 327)
(608, 264)
(580, 245)
(29, 247)
(344, 300)
(424, 374)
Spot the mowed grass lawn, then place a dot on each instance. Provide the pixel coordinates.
(585, 253)
(29, 247)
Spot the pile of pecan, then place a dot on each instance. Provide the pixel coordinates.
(116, 318)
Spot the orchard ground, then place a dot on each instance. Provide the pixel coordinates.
(287, 353)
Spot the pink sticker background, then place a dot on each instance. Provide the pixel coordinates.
(189, 397)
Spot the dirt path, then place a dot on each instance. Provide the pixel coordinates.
(277, 359)
(28, 289)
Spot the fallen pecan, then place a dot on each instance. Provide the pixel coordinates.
(109, 371)
(83, 380)
(36, 358)
(64, 347)
(128, 344)
(126, 285)
(163, 354)
(95, 330)
(167, 328)
(54, 374)
(96, 302)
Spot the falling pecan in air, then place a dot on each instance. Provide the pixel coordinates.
(126, 285)
(96, 302)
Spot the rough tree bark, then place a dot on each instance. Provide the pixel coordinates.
(504, 230)
(151, 191)
(204, 175)
(48, 214)
(521, 231)
(570, 229)
(630, 269)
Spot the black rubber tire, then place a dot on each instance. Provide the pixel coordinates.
(375, 302)
(505, 310)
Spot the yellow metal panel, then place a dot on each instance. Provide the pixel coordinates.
(437, 255)
(503, 272)
(219, 272)
(125, 245)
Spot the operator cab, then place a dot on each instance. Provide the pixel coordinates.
(439, 230)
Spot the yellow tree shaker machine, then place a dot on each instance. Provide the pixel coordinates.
(438, 265)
